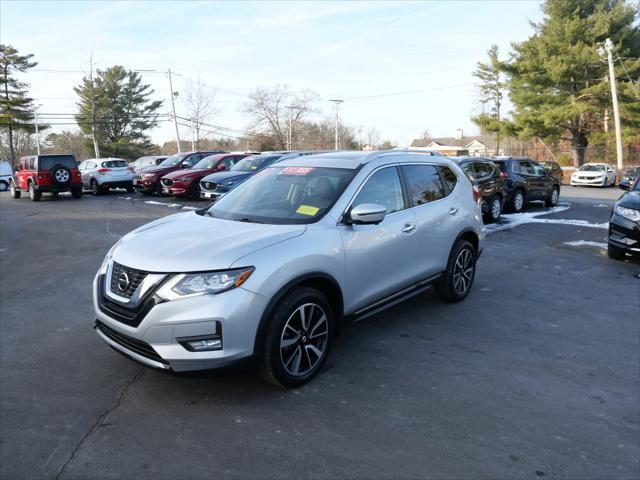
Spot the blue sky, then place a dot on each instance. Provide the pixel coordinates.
(363, 52)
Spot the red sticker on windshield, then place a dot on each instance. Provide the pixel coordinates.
(297, 170)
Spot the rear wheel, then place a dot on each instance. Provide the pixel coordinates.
(495, 209)
(616, 253)
(460, 272)
(95, 188)
(298, 338)
(552, 201)
(15, 193)
(517, 202)
(34, 194)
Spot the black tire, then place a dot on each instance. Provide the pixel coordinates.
(194, 192)
(495, 210)
(277, 360)
(552, 201)
(517, 201)
(130, 189)
(61, 175)
(15, 193)
(95, 188)
(76, 192)
(462, 259)
(4, 186)
(616, 253)
(34, 194)
(159, 190)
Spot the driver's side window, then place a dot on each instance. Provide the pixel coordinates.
(382, 188)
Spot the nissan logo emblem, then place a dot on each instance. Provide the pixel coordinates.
(123, 282)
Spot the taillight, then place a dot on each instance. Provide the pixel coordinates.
(504, 174)
(477, 196)
(102, 171)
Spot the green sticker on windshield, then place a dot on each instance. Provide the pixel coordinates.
(307, 210)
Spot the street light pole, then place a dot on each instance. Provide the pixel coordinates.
(608, 46)
(337, 101)
(35, 117)
(290, 132)
(193, 132)
(173, 107)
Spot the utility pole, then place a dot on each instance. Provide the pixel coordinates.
(96, 148)
(35, 117)
(173, 107)
(337, 101)
(608, 48)
(290, 133)
(193, 141)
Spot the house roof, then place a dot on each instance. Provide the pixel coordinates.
(489, 142)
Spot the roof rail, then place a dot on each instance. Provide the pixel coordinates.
(382, 153)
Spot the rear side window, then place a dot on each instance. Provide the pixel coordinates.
(449, 177)
(31, 163)
(424, 183)
(502, 166)
(382, 188)
(48, 162)
(483, 169)
(114, 164)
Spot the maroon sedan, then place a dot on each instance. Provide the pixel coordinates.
(186, 183)
(147, 180)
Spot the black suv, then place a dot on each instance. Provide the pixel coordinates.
(525, 180)
(484, 174)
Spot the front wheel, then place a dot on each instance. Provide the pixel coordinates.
(552, 201)
(297, 338)
(616, 253)
(15, 193)
(34, 194)
(130, 189)
(3, 186)
(460, 272)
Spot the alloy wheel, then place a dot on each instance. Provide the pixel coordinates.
(554, 196)
(463, 271)
(518, 202)
(303, 342)
(495, 209)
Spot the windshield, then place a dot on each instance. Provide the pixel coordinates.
(632, 171)
(593, 168)
(114, 164)
(47, 162)
(253, 163)
(207, 162)
(173, 160)
(284, 195)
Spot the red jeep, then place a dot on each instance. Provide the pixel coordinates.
(47, 173)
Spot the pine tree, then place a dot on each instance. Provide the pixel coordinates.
(15, 106)
(558, 80)
(124, 112)
(492, 87)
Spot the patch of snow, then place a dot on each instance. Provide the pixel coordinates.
(128, 198)
(586, 243)
(190, 208)
(601, 205)
(174, 205)
(153, 202)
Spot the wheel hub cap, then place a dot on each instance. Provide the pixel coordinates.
(463, 271)
(304, 338)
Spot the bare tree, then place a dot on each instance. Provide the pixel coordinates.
(199, 101)
(278, 111)
(22, 142)
(373, 137)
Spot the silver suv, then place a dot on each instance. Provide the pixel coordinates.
(275, 267)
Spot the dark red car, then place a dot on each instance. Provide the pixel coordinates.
(147, 180)
(186, 183)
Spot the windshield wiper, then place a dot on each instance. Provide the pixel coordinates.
(248, 220)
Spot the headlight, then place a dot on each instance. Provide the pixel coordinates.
(192, 284)
(628, 213)
(149, 175)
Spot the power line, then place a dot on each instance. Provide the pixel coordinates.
(633, 85)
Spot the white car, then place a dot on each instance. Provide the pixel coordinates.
(6, 173)
(102, 174)
(596, 174)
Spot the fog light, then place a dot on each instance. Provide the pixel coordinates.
(205, 343)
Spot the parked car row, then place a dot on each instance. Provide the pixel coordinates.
(510, 182)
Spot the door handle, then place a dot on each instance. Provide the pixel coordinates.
(453, 211)
(408, 227)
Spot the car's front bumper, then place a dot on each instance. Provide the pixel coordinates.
(145, 185)
(623, 233)
(235, 314)
(597, 182)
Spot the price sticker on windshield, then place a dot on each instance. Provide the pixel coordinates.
(297, 170)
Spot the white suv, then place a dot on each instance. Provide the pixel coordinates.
(275, 267)
(102, 174)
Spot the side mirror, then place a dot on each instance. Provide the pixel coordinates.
(184, 165)
(367, 213)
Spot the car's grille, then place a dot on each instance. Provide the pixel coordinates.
(132, 344)
(131, 316)
(130, 278)
(138, 176)
(167, 182)
(209, 185)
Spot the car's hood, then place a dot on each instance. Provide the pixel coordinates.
(630, 200)
(188, 242)
(189, 173)
(159, 169)
(224, 177)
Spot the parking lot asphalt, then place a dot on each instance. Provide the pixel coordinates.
(535, 375)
